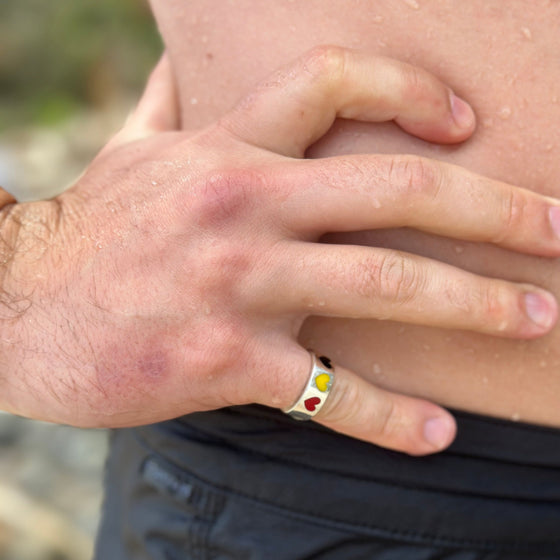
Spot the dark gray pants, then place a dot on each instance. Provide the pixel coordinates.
(250, 483)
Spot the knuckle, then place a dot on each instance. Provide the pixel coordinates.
(414, 82)
(386, 421)
(512, 214)
(418, 84)
(227, 197)
(414, 176)
(234, 262)
(348, 174)
(225, 275)
(494, 306)
(344, 403)
(395, 278)
(325, 61)
(218, 348)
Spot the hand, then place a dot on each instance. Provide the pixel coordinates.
(175, 275)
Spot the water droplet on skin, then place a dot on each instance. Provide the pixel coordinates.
(505, 112)
(376, 203)
(412, 4)
(377, 369)
(154, 183)
(194, 101)
(502, 326)
(321, 303)
(526, 32)
(516, 417)
(378, 19)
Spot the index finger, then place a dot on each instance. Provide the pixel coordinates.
(298, 104)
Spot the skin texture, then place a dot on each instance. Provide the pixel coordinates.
(177, 272)
(504, 60)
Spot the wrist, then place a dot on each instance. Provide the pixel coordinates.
(26, 232)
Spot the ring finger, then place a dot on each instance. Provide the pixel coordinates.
(362, 282)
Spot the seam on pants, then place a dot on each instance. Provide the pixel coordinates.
(412, 537)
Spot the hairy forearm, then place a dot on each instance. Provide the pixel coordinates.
(29, 317)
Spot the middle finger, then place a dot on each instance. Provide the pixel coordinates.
(353, 193)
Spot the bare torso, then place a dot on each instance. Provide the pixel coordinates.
(502, 57)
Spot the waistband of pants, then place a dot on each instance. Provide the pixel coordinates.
(498, 485)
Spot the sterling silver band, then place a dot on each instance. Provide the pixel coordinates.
(316, 391)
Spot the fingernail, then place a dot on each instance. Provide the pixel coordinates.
(463, 115)
(540, 309)
(554, 217)
(438, 432)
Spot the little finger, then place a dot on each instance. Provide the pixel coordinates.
(345, 402)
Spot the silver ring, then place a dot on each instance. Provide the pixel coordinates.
(316, 391)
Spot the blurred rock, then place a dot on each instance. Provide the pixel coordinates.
(50, 489)
(41, 162)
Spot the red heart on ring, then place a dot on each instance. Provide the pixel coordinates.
(311, 403)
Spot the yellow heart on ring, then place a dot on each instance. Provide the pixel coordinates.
(322, 381)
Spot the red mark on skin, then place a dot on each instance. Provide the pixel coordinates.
(152, 365)
(122, 373)
(311, 403)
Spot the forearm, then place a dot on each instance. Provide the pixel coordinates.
(26, 233)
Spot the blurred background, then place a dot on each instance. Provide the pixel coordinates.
(70, 71)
